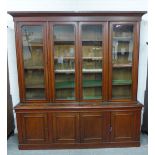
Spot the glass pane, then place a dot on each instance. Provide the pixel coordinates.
(92, 61)
(64, 61)
(122, 51)
(32, 41)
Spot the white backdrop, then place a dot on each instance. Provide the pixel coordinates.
(76, 5)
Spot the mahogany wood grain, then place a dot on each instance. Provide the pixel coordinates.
(59, 124)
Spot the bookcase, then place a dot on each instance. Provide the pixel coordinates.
(78, 74)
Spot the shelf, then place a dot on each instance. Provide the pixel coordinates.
(68, 84)
(92, 83)
(119, 98)
(92, 97)
(64, 42)
(91, 43)
(65, 71)
(92, 58)
(92, 70)
(119, 52)
(122, 38)
(34, 67)
(67, 58)
(33, 45)
(71, 84)
(121, 82)
(122, 65)
(34, 86)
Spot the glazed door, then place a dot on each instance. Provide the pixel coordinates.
(32, 67)
(123, 61)
(92, 56)
(63, 61)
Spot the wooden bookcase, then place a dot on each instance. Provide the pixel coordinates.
(78, 74)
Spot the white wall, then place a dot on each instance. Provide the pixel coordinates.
(76, 5)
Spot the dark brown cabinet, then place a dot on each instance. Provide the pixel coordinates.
(78, 75)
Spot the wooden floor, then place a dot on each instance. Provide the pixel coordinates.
(142, 150)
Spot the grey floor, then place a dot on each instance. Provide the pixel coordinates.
(142, 150)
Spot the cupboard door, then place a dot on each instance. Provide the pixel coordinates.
(65, 127)
(122, 65)
(94, 127)
(64, 54)
(92, 47)
(123, 125)
(35, 128)
(33, 78)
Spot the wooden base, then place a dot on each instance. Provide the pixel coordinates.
(77, 146)
(86, 126)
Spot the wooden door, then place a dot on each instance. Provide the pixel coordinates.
(124, 125)
(35, 128)
(65, 127)
(123, 60)
(94, 127)
(31, 44)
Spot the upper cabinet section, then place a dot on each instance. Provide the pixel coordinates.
(77, 56)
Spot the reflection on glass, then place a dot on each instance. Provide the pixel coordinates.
(64, 61)
(122, 50)
(92, 61)
(32, 41)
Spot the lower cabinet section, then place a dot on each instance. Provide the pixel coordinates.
(78, 129)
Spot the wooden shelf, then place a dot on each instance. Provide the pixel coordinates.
(71, 84)
(92, 83)
(120, 97)
(34, 86)
(91, 70)
(122, 65)
(92, 58)
(65, 71)
(64, 42)
(92, 97)
(66, 58)
(33, 45)
(121, 82)
(122, 38)
(66, 84)
(34, 68)
(91, 43)
(119, 52)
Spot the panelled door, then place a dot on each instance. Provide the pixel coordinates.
(35, 128)
(32, 48)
